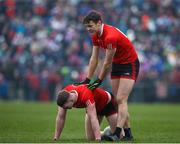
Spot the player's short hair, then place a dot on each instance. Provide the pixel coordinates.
(62, 98)
(92, 16)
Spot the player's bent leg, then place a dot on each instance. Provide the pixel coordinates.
(115, 86)
(127, 123)
(88, 129)
(100, 118)
(109, 130)
(112, 120)
(123, 113)
(127, 130)
(124, 90)
(122, 93)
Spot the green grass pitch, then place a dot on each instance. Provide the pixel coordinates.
(34, 122)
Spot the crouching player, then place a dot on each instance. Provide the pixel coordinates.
(98, 103)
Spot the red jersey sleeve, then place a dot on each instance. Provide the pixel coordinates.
(110, 42)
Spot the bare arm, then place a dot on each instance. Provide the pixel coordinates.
(60, 120)
(91, 112)
(93, 62)
(107, 62)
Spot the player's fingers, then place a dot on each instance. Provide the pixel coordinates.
(90, 87)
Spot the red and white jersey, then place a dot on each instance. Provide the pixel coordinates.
(85, 96)
(111, 36)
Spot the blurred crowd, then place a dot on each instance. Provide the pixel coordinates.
(44, 46)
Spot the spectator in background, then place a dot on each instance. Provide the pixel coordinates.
(3, 88)
(32, 37)
(33, 84)
(175, 84)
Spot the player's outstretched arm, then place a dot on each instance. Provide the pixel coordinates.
(60, 120)
(106, 65)
(91, 112)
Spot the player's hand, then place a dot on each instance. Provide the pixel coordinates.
(86, 81)
(98, 140)
(95, 84)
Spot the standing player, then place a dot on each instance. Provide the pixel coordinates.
(121, 54)
(98, 103)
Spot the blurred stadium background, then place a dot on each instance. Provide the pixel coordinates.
(44, 46)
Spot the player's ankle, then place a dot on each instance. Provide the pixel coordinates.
(128, 132)
(117, 132)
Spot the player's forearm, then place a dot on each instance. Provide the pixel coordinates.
(95, 128)
(110, 52)
(59, 127)
(91, 111)
(92, 67)
(104, 70)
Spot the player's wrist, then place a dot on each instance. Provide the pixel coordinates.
(95, 84)
(98, 81)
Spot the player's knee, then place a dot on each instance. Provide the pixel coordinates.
(121, 99)
(128, 116)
